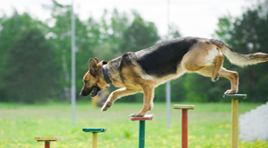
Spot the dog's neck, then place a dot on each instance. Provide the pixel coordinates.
(105, 74)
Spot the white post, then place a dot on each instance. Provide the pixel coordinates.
(168, 102)
(168, 99)
(73, 65)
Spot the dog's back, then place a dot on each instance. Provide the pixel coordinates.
(163, 58)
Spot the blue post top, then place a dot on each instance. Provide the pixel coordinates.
(235, 96)
(94, 130)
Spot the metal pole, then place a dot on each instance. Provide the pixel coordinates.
(168, 100)
(168, 19)
(73, 66)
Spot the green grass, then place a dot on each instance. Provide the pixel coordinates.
(209, 126)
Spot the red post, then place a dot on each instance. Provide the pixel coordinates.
(184, 123)
(47, 140)
(47, 144)
(184, 128)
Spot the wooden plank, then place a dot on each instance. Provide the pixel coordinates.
(177, 106)
(47, 138)
(145, 117)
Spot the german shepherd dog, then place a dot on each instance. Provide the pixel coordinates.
(144, 70)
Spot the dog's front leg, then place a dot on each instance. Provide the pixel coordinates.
(116, 95)
(148, 96)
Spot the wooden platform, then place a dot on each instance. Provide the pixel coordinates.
(47, 138)
(94, 130)
(235, 96)
(177, 106)
(145, 117)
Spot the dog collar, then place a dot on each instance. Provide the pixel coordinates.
(105, 74)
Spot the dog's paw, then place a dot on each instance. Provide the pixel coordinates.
(216, 78)
(230, 92)
(136, 115)
(106, 106)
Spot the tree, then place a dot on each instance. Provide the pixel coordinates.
(225, 26)
(10, 31)
(139, 35)
(249, 34)
(32, 71)
(111, 34)
(87, 38)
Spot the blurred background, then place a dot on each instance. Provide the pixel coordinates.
(35, 43)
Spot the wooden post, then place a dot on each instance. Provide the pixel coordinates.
(94, 140)
(142, 134)
(184, 128)
(94, 132)
(47, 144)
(184, 123)
(47, 140)
(234, 133)
(142, 128)
(234, 123)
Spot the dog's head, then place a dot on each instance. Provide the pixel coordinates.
(93, 79)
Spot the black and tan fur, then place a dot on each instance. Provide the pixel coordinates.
(144, 70)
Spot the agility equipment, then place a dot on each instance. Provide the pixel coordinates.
(142, 128)
(184, 123)
(235, 98)
(94, 132)
(47, 140)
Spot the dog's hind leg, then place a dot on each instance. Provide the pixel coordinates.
(116, 95)
(218, 61)
(233, 77)
(230, 75)
(205, 64)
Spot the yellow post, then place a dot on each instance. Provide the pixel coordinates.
(94, 132)
(94, 140)
(234, 113)
(234, 123)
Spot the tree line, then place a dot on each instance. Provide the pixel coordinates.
(35, 56)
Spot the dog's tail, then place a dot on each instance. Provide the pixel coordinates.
(240, 59)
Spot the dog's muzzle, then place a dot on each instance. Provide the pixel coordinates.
(93, 91)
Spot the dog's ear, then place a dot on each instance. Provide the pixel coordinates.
(92, 67)
(97, 60)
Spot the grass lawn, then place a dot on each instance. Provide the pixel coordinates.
(209, 126)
